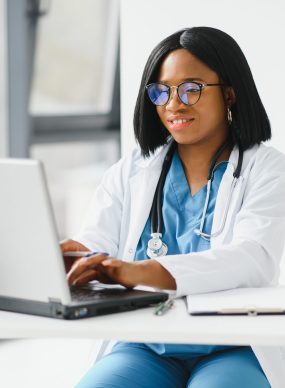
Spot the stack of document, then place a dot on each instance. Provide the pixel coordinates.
(238, 301)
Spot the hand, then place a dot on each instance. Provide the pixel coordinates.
(71, 245)
(104, 269)
(113, 271)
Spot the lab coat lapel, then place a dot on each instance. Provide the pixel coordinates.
(222, 197)
(224, 192)
(142, 189)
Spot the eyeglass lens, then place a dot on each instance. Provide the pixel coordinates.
(188, 92)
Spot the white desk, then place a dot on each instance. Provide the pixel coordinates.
(142, 325)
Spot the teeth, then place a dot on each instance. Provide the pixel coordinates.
(180, 121)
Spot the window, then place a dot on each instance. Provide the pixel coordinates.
(64, 95)
(75, 58)
(75, 91)
(63, 61)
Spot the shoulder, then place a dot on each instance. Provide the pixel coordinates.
(133, 163)
(269, 159)
(137, 160)
(266, 170)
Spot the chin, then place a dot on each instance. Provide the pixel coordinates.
(186, 140)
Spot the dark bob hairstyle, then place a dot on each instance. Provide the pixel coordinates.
(222, 54)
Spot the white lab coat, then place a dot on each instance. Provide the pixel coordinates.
(246, 254)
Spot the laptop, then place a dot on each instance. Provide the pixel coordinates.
(32, 272)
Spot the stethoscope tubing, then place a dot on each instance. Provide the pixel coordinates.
(206, 236)
(156, 209)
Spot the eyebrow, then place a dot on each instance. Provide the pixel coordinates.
(184, 80)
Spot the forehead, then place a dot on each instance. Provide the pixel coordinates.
(180, 64)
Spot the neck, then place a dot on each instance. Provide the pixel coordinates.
(197, 158)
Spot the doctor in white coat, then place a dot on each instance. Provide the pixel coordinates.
(198, 100)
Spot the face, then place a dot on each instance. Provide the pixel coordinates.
(203, 122)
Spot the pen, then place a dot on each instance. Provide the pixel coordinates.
(163, 307)
(82, 253)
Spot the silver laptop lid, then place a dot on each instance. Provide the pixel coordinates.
(31, 266)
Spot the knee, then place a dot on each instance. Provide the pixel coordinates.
(235, 369)
(225, 381)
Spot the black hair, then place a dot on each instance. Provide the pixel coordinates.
(218, 50)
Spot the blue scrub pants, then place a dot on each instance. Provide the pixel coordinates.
(135, 365)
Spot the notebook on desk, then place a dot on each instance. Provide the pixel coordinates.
(32, 273)
(239, 301)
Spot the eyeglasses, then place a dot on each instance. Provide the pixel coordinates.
(188, 92)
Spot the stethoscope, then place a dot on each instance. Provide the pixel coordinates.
(156, 247)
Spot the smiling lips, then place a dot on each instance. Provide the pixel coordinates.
(177, 123)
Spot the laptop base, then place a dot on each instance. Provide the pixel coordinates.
(55, 309)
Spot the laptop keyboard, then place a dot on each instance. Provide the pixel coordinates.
(83, 293)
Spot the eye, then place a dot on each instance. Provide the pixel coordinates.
(192, 88)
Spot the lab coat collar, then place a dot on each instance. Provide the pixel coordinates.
(247, 155)
(156, 159)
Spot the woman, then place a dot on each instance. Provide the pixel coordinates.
(198, 105)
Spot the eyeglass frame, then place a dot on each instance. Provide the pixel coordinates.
(201, 87)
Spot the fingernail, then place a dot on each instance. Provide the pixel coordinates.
(107, 262)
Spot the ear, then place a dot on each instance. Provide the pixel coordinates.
(230, 96)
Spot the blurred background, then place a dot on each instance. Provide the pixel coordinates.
(62, 100)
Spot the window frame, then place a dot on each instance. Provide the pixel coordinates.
(26, 128)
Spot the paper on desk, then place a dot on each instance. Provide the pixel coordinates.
(269, 297)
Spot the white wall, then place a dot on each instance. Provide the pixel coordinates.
(257, 25)
(3, 78)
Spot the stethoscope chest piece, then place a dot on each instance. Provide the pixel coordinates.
(156, 247)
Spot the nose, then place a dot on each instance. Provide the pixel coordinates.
(174, 99)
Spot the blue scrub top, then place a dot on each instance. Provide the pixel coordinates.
(182, 213)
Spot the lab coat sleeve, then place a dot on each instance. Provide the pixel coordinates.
(253, 256)
(101, 228)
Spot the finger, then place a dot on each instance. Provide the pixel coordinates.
(86, 277)
(68, 263)
(72, 245)
(83, 264)
(68, 245)
(115, 263)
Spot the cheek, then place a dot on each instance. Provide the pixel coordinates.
(212, 114)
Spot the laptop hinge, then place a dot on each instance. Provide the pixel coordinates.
(57, 308)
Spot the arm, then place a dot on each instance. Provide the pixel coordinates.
(252, 257)
(101, 233)
(111, 270)
(250, 260)
(101, 227)
(71, 245)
